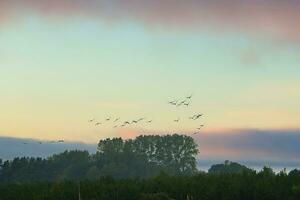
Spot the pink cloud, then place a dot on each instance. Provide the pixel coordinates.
(274, 19)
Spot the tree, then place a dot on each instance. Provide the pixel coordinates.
(228, 168)
(155, 196)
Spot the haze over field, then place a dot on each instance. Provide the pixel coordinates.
(63, 63)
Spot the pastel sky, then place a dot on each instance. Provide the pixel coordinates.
(64, 62)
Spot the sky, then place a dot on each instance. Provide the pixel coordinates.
(65, 62)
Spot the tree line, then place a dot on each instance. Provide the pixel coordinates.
(144, 168)
(142, 157)
(264, 185)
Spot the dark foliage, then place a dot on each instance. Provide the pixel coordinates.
(142, 157)
(240, 186)
(228, 168)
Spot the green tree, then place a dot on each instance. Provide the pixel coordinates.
(228, 168)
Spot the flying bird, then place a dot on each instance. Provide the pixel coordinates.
(201, 126)
(174, 103)
(187, 104)
(91, 120)
(149, 121)
(98, 123)
(177, 120)
(141, 119)
(117, 119)
(134, 121)
(194, 117)
(108, 119)
(180, 104)
(126, 122)
(198, 116)
(189, 97)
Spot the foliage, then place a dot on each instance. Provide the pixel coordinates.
(228, 168)
(142, 157)
(203, 186)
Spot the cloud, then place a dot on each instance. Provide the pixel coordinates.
(15, 147)
(275, 19)
(269, 145)
(251, 147)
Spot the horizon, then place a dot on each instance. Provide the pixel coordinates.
(63, 64)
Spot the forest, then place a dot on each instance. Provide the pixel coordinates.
(144, 168)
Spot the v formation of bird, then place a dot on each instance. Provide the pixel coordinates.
(186, 102)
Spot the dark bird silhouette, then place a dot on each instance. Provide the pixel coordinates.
(91, 120)
(177, 120)
(194, 117)
(126, 122)
(108, 119)
(174, 103)
(180, 104)
(187, 104)
(189, 97)
(201, 126)
(98, 123)
(198, 116)
(117, 119)
(135, 121)
(149, 121)
(141, 119)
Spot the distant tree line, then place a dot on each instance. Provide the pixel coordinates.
(142, 157)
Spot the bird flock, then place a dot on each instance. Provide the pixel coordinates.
(51, 142)
(118, 123)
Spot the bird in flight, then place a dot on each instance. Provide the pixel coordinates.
(108, 119)
(194, 117)
(189, 97)
(187, 104)
(134, 121)
(117, 119)
(149, 121)
(177, 120)
(198, 116)
(174, 103)
(126, 122)
(141, 119)
(91, 120)
(98, 123)
(180, 104)
(201, 126)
